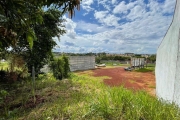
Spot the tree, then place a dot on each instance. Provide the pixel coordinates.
(152, 58)
(97, 60)
(41, 52)
(17, 16)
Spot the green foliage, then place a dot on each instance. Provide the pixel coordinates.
(152, 58)
(13, 70)
(84, 97)
(98, 60)
(3, 102)
(17, 17)
(3, 94)
(66, 66)
(112, 57)
(41, 52)
(151, 65)
(57, 68)
(118, 103)
(30, 36)
(138, 56)
(60, 67)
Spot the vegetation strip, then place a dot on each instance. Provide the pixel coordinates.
(81, 97)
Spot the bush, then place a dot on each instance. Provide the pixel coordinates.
(60, 67)
(65, 66)
(97, 60)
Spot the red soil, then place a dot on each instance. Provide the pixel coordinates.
(131, 80)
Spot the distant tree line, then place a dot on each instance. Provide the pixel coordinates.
(152, 58)
(101, 57)
(75, 54)
(105, 56)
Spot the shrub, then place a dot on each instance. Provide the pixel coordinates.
(60, 67)
(65, 66)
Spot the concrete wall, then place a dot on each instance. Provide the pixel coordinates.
(168, 62)
(81, 62)
(136, 62)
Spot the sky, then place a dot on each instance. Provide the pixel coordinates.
(117, 26)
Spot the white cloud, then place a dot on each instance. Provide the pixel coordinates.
(136, 12)
(86, 2)
(114, 1)
(100, 14)
(106, 19)
(122, 7)
(146, 26)
(169, 6)
(86, 5)
(70, 28)
(106, 4)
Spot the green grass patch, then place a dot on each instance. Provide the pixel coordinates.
(4, 65)
(145, 70)
(151, 65)
(82, 97)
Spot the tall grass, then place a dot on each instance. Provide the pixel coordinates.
(84, 97)
(119, 103)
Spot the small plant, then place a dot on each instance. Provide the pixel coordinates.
(57, 68)
(3, 102)
(60, 67)
(66, 66)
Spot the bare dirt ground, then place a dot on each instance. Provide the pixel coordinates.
(131, 80)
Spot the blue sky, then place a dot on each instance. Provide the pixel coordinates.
(117, 26)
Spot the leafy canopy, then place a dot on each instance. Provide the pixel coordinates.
(41, 53)
(18, 16)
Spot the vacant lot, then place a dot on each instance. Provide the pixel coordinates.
(132, 80)
(83, 96)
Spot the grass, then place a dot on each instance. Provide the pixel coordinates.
(82, 97)
(151, 65)
(4, 65)
(148, 69)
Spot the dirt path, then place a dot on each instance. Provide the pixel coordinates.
(130, 80)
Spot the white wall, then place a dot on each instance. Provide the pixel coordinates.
(137, 61)
(168, 62)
